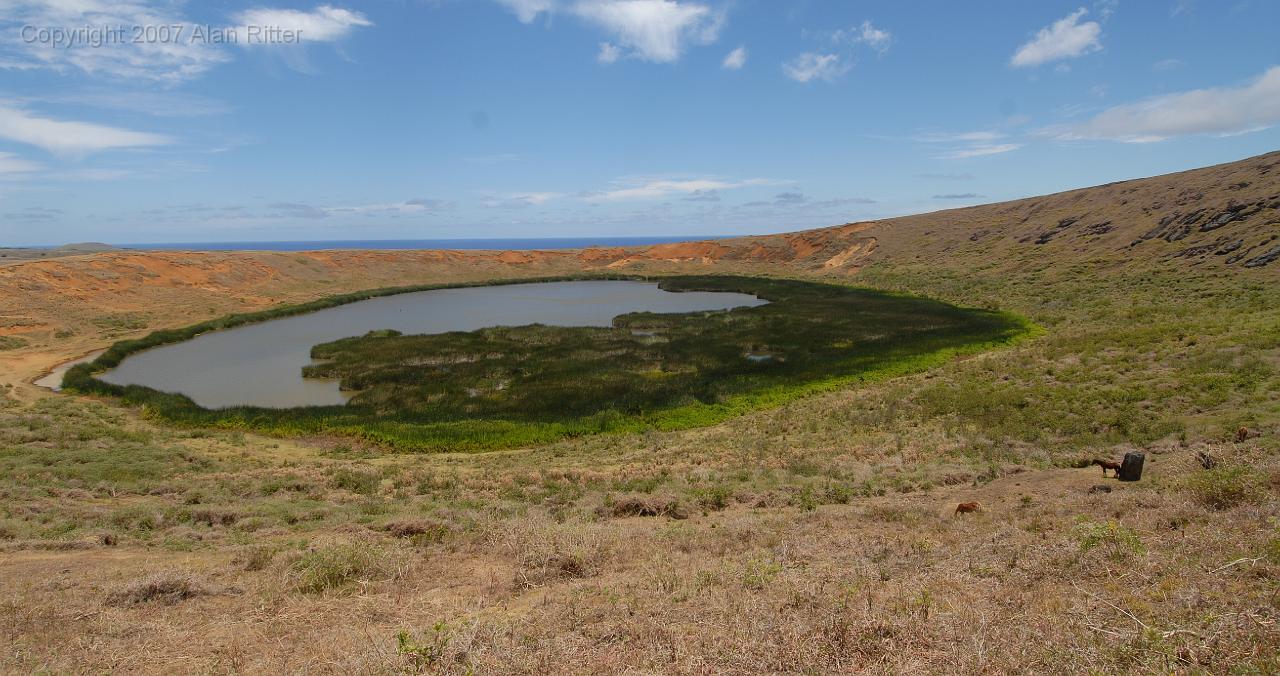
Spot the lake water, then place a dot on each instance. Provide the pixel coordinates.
(261, 364)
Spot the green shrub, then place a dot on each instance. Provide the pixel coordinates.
(1110, 536)
(757, 574)
(428, 652)
(1226, 487)
(713, 498)
(806, 499)
(12, 342)
(356, 481)
(336, 566)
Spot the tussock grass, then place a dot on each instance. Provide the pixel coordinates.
(549, 552)
(1227, 487)
(342, 565)
(166, 587)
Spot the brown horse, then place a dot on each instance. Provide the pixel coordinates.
(1242, 435)
(1107, 465)
(967, 507)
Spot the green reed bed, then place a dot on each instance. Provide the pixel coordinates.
(513, 386)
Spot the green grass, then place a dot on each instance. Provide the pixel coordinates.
(517, 386)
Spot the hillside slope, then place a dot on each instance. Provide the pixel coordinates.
(816, 537)
(1221, 217)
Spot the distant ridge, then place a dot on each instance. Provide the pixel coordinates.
(87, 247)
(1217, 220)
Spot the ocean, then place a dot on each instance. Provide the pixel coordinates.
(507, 244)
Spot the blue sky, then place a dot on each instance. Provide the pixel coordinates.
(544, 118)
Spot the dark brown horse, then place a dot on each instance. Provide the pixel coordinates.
(1107, 465)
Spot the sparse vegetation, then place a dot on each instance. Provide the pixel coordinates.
(336, 566)
(817, 537)
(166, 587)
(1116, 540)
(1227, 487)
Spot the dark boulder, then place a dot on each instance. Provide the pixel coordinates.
(1131, 468)
(1229, 248)
(1268, 257)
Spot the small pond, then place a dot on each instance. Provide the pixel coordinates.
(261, 364)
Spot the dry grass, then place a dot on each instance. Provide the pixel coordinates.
(815, 538)
(167, 587)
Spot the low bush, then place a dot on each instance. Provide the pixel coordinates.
(550, 552)
(167, 587)
(356, 481)
(255, 557)
(1116, 540)
(645, 505)
(339, 565)
(1226, 487)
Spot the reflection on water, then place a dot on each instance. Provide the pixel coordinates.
(261, 364)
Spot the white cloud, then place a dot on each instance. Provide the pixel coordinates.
(183, 52)
(980, 150)
(413, 206)
(519, 200)
(528, 10)
(1221, 110)
(662, 187)
(170, 62)
(420, 205)
(865, 34)
(736, 59)
(535, 197)
(325, 23)
(653, 30)
(967, 136)
(70, 137)
(12, 164)
(969, 143)
(609, 53)
(1066, 38)
(837, 56)
(811, 66)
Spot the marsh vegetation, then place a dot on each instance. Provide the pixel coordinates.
(508, 386)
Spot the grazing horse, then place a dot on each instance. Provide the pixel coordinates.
(1107, 465)
(967, 507)
(1242, 435)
